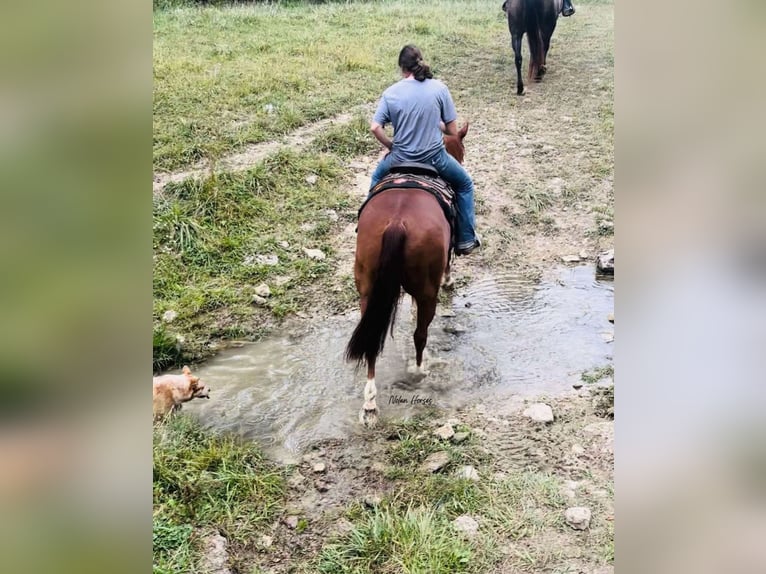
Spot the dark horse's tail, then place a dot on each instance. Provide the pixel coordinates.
(370, 334)
(534, 37)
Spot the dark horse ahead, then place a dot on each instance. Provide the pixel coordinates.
(403, 241)
(536, 18)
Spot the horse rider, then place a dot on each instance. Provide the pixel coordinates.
(566, 10)
(414, 106)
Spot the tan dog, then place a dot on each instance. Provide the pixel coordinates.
(170, 391)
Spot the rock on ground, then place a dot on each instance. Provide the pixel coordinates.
(539, 412)
(459, 437)
(468, 472)
(215, 558)
(445, 432)
(605, 262)
(466, 525)
(314, 254)
(263, 290)
(435, 461)
(578, 517)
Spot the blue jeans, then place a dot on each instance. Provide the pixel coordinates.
(455, 174)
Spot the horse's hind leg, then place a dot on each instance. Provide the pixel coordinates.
(426, 312)
(368, 416)
(448, 282)
(547, 32)
(516, 44)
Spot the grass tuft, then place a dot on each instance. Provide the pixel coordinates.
(207, 481)
(411, 540)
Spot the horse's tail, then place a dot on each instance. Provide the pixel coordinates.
(380, 313)
(534, 38)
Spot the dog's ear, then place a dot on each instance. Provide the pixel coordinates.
(193, 383)
(186, 370)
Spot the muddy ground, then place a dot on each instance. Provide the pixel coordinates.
(543, 170)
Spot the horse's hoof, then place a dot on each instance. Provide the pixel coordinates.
(522, 91)
(417, 372)
(368, 417)
(449, 283)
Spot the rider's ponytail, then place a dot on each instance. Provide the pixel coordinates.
(411, 60)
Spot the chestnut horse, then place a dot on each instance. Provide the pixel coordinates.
(403, 242)
(536, 18)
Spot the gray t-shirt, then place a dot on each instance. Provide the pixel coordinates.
(415, 109)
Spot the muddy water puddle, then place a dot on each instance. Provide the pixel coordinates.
(500, 335)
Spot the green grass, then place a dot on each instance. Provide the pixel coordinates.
(411, 540)
(225, 77)
(520, 508)
(595, 375)
(206, 482)
(211, 238)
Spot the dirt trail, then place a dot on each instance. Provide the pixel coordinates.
(252, 154)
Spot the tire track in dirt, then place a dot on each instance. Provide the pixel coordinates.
(254, 153)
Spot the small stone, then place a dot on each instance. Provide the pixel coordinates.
(468, 473)
(268, 108)
(435, 461)
(372, 500)
(577, 449)
(291, 521)
(605, 263)
(263, 290)
(266, 541)
(320, 467)
(468, 305)
(466, 525)
(321, 485)
(169, 316)
(447, 313)
(610, 317)
(460, 437)
(314, 254)
(445, 432)
(258, 300)
(577, 386)
(378, 467)
(571, 258)
(215, 557)
(311, 179)
(280, 280)
(331, 214)
(284, 244)
(607, 337)
(455, 329)
(578, 517)
(270, 259)
(539, 412)
(583, 254)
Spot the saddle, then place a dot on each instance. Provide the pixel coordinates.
(422, 176)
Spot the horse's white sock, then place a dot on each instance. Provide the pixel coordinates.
(370, 392)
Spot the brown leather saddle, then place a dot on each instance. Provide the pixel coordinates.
(422, 176)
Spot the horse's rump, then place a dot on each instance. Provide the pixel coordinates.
(437, 187)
